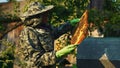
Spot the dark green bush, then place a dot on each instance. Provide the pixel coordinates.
(6, 54)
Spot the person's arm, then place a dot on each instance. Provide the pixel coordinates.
(64, 28)
(68, 26)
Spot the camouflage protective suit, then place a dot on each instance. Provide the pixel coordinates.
(36, 49)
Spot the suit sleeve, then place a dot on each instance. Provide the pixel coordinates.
(62, 29)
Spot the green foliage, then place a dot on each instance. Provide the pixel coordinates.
(8, 17)
(110, 14)
(6, 54)
(74, 66)
(112, 11)
(95, 16)
(112, 5)
(1, 27)
(66, 10)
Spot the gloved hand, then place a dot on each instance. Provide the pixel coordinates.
(66, 50)
(74, 21)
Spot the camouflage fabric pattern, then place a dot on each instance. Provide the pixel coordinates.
(33, 22)
(35, 8)
(35, 49)
(62, 41)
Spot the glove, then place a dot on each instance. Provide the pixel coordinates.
(74, 21)
(66, 50)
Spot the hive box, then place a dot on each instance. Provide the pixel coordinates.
(99, 53)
